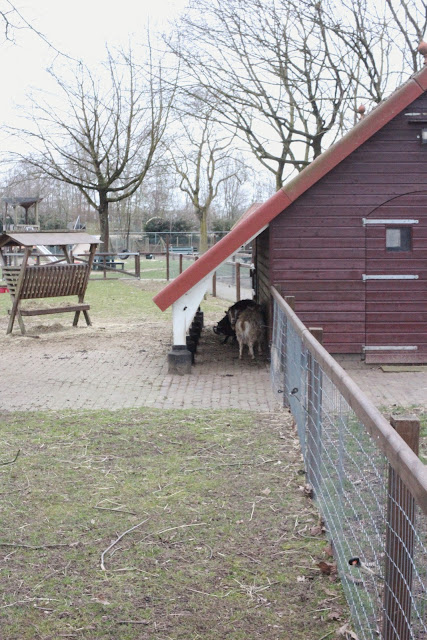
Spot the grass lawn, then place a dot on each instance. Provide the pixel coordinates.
(146, 524)
(127, 299)
(154, 269)
(159, 524)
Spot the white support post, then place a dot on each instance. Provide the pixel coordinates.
(184, 309)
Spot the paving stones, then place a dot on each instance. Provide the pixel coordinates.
(126, 366)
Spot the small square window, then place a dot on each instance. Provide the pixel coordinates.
(398, 239)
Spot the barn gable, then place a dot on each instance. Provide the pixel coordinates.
(311, 238)
(330, 247)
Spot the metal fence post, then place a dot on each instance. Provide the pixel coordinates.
(214, 284)
(138, 264)
(400, 542)
(167, 259)
(314, 415)
(290, 300)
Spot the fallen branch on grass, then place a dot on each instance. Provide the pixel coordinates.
(28, 600)
(233, 464)
(122, 535)
(132, 513)
(41, 546)
(153, 533)
(180, 526)
(211, 595)
(2, 464)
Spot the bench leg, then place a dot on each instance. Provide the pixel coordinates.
(77, 316)
(15, 313)
(11, 322)
(21, 323)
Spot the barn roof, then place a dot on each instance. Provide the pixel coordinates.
(256, 219)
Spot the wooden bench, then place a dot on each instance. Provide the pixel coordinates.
(46, 281)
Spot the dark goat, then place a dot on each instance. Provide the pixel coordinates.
(236, 309)
(224, 328)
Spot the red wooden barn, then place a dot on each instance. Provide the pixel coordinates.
(347, 237)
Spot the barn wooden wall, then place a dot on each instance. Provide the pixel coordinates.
(318, 251)
(263, 284)
(263, 267)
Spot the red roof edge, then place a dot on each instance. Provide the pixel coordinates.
(246, 229)
(421, 77)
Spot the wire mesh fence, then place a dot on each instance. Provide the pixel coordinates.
(238, 268)
(356, 463)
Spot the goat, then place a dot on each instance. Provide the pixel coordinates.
(224, 328)
(250, 330)
(236, 309)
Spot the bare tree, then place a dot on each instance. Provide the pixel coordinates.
(379, 42)
(275, 75)
(10, 18)
(232, 199)
(13, 21)
(407, 20)
(288, 74)
(201, 158)
(153, 198)
(103, 137)
(61, 204)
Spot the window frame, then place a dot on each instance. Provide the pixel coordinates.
(406, 239)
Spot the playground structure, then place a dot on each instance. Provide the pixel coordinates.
(16, 222)
(58, 277)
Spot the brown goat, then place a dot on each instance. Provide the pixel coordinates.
(250, 330)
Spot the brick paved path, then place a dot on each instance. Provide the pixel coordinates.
(90, 368)
(385, 389)
(121, 366)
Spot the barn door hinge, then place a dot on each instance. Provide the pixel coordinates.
(366, 221)
(389, 277)
(391, 348)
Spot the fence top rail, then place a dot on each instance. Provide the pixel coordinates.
(247, 265)
(400, 456)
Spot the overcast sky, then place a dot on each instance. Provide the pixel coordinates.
(80, 28)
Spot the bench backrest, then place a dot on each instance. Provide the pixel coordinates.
(48, 281)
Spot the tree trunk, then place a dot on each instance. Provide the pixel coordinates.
(104, 226)
(202, 214)
(317, 145)
(279, 174)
